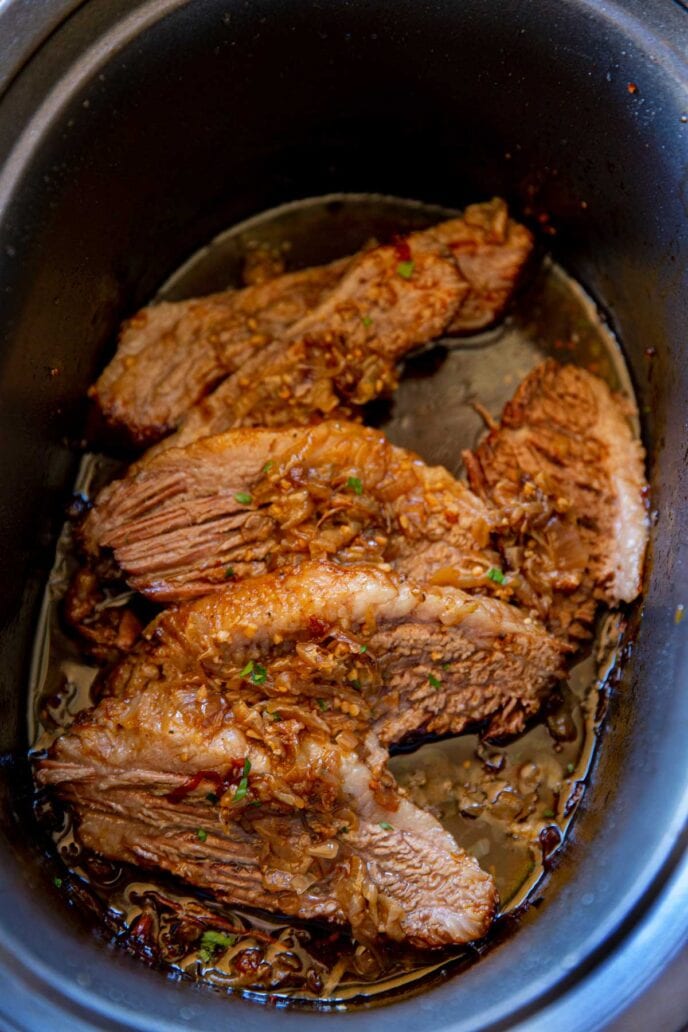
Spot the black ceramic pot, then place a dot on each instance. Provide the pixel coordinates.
(130, 133)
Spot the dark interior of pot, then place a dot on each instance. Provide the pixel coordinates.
(137, 133)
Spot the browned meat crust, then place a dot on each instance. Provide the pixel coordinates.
(362, 644)
(337, 333)
(264, 808)
(567, 474)
(183, 522)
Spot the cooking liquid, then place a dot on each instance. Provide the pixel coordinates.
(511, 806)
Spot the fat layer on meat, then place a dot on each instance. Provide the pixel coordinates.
(266, 809)
(566, 473)
(238, 504)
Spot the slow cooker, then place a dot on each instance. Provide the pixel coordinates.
(133, 131)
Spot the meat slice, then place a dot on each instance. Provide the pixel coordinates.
(490, 250)
(264, 808)
(388, 301)
(184, 521)
(170, 354)
(567, 473)
(358, 641)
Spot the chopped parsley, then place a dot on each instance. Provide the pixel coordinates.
(496, 575)
(548, 813)
(242, 497)
(254, 672)
(213, 941)
(276, 715)
(229, 573)
(57, 882)
(201, 834)
(569, 768)
(323, 705)
(363, 648)
(446, 666)
(242, 787)
(343, 831)
(405, 269)
(355, 485)
(268, 466)
(356, 683)
(367, 321)
(212, 798)
(434, 681)
(386, 826)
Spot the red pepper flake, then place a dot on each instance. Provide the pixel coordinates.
(451, 517)
(632, 88)
(219, 781)
(317, 628)
(402, 248)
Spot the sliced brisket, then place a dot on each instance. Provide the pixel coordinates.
(567, 474)
(184, 521)
(359, 641)
(264, 808)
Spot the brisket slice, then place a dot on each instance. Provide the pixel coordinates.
(238, 504)
(567, 474)
(361, 642)
(389, 301)
(172, 353)
(264, 808)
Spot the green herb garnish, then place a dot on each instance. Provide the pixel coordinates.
(229, 573)
(548, 813)
(242, 497)
(213, 941)
(496, 575)
(255, 672)
(212, 798)
(276, 715)
(201, 834)
(57, 882)
(367, 321)
(363, 648)
(355, 485)
(268, 466)
(323, 705)
(405, 269)
(356, 683)
(259, 674)
(343, 831)
(242, 787)
(446, 666)
(569, 768)
(386, 826)
(434, 681)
